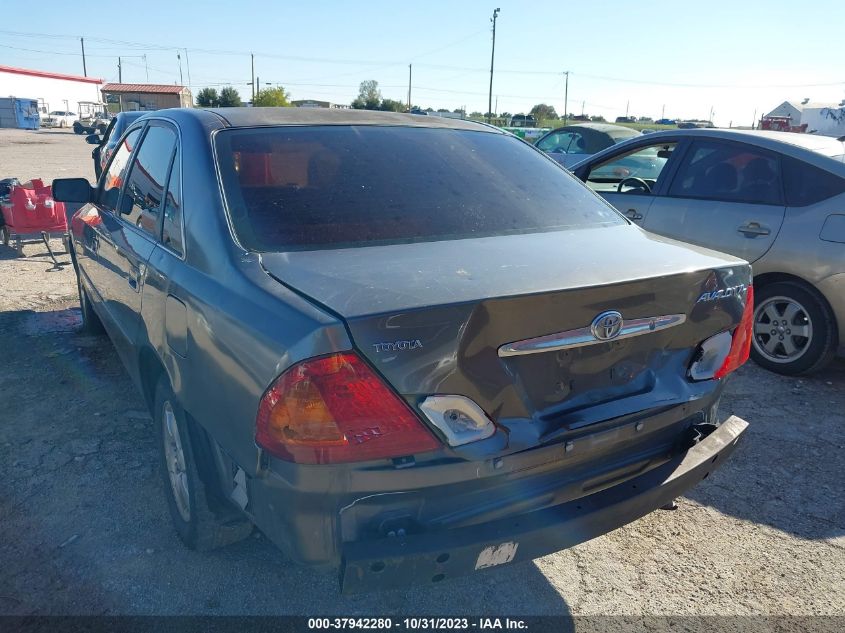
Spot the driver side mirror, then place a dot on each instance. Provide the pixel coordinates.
(93, 139)
(72, 190)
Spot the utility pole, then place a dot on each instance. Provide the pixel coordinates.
(188, 64)
(566, 97)
(84, 67)
(754, 120)
(120, 81)
(710, 119)
(492, 58)
(627, 105)
(663, 112)
(252, 58)
(409, 87)
(583, 103)
(146, 67)
(179, 59)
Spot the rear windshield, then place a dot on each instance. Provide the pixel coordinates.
(306, 188)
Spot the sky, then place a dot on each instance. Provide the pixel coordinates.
(678, 59)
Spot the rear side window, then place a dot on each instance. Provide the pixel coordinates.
(171, 232)
(298, 188)
(116, 174)
(727, 172)
(141, 202)
(806, 184)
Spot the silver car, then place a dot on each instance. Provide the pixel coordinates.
(773, 198)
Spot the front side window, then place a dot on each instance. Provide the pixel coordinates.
(624, 172)
(563, 143)
(727, 172)
(141, 202)
(305, 188)
(116, 174)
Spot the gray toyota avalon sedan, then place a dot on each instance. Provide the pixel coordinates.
(409, 347)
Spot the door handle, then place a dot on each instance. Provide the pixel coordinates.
(633, 215)
(752, 229)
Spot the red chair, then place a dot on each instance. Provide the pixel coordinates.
(30, 210)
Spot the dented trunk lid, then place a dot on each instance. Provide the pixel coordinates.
(440, 317)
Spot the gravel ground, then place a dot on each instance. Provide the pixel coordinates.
(84, 528)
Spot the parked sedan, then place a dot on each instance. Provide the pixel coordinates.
(59, 118)
(773, 198)
(105, 145)
(356, 331)
(572, 143)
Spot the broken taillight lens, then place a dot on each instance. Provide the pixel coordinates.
(335, 409)
(741, 342)
(726, 351)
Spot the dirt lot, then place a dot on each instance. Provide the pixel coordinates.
(84, 527)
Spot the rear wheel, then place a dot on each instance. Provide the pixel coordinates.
(794, 329)
(202, 521)
(4, 235)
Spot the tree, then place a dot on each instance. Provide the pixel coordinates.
(476, 115)
(442, 109)
(229, 98)
(544, 112)
(208, 98)
(458, 111)
(272, 98)
(598, 118)
(369, 96)
(506, 115)
(391, 105)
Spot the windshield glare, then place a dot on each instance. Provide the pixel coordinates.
(305, 188)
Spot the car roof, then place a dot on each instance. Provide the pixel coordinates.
(253, 117)
(608, 128)
(825, 145)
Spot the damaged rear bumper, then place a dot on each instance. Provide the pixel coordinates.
(394, 562)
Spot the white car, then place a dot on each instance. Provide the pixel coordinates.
(59, 118)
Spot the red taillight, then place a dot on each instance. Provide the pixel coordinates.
(741, 343)
(336, 409)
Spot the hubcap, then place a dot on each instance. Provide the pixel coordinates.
(175, 458)
(782, 329)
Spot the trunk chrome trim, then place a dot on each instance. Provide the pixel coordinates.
(580, 337)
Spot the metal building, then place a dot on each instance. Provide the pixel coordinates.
(52, 91)
(131, 97)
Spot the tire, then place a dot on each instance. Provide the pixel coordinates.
(795, 331)
(4, 235)
(91, 323)
(77, 128)
(202, 520)
(61, 124)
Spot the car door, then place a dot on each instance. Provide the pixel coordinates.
(723, 195)
(93, 234)
(129, 233)
(630, 178)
